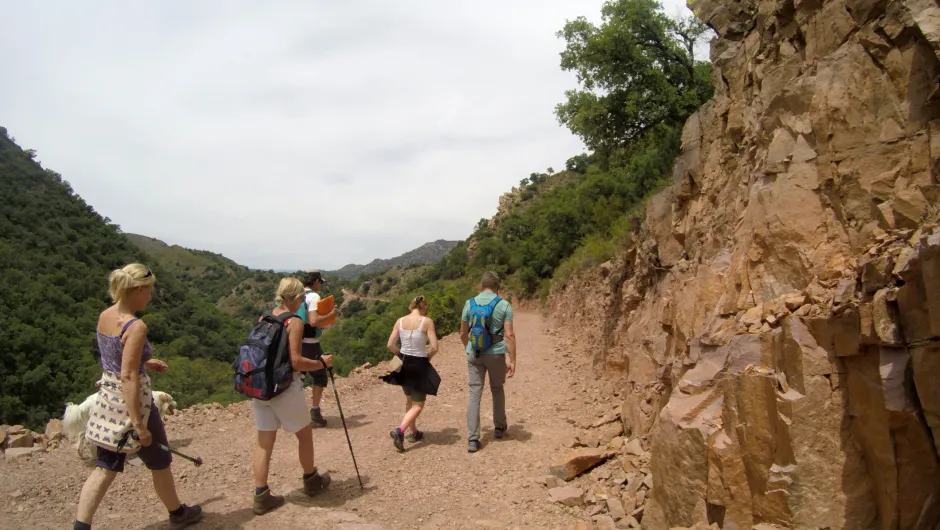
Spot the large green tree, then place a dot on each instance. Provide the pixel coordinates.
(637, 71)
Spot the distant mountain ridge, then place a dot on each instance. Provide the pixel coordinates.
(426, 254)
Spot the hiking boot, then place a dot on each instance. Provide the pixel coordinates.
(316, 419)
(266, 502)
(416, 436)
(498, 432)
(398, 438)
(473, 446)
(317, 483)
(190, 515)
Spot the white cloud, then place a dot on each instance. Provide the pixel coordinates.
(213, 124)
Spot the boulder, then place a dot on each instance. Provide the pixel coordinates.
(604, 522)
(567, 495)
(20, 440)
(13, 454)
(578, 461)
(54, 430)
(615, 509)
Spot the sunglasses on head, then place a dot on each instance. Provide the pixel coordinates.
(149, 273)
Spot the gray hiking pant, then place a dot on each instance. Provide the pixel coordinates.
(477, 368)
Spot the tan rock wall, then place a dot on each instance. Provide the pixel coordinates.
(776, 328)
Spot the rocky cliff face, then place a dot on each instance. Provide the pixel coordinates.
(777, 328)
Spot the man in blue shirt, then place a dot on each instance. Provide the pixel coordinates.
(492, 360)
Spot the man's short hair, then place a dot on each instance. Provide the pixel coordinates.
(490, 280)
(312, 278)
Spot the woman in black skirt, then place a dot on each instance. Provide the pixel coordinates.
(416, 377)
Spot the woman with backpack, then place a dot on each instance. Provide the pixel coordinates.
(288, 409)
(414, 372)
(124, 402)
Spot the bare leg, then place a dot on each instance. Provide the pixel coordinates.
(316, 393)
(411, 416)
(261, 457)
(166, 488)
(305, 449)
(408, 403)
(93, 491)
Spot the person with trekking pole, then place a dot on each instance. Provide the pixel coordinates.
(280, 403)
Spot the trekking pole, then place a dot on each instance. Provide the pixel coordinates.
(133, 434)
(329, 370)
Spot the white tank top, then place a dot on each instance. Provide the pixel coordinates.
(414, 342)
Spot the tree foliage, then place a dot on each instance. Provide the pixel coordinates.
(637, 71)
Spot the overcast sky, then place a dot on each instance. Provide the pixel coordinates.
(290, 134)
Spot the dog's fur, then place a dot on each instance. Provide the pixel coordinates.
(76, 416)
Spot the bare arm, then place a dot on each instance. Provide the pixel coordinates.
(393, 340)
(509, 335)
(295, 337)
(134, 339)
(464, 333)
(432, 339)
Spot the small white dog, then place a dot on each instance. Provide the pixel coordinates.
(76, 416)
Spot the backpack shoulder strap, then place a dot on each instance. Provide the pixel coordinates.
(495, 301)
(285, 316)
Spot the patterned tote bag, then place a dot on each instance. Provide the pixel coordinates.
(110, 419)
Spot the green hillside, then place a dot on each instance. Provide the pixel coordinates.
(55, 256)
(234, 289)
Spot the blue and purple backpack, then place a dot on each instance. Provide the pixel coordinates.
(263, 369)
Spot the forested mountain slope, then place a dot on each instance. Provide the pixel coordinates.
(56, 253)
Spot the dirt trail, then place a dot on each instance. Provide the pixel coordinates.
(434, 484)
(349, 296)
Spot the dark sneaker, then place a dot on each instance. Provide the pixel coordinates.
(266, 502)
(190, 515)
(473, 446)
(317, 483)
(398, 438)
(316, 418)
(416, 436)
(498, 433)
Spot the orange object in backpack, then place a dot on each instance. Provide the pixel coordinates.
(324, 306)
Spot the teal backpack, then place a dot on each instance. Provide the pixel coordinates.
(481, 318)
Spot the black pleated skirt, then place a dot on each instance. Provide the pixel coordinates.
(417, 373)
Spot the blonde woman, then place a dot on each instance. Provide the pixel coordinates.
(416, 377)
(125, 386)
(287, 410)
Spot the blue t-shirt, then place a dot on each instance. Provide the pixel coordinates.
(502, 313)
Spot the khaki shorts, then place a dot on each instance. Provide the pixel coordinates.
(287, 411)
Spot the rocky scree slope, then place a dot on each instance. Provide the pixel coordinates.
(776, 328)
